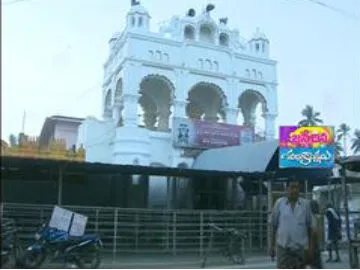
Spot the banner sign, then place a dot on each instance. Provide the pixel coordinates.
(68, 221)
(193, 133)
(306, 147)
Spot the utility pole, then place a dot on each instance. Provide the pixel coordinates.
(23, 123)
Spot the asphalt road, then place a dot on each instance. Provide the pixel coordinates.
(253, 261)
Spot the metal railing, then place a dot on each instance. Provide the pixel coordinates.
(149, 231)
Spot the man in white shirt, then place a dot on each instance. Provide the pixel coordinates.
(291, 229)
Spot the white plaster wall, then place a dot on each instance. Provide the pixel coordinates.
(68, 132)
(98, 139)
(161, 148)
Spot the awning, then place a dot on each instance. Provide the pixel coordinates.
(256, 157)
(248, 158)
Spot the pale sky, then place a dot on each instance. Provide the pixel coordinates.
(53, 53)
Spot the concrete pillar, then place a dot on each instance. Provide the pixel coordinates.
(130, 117)
(232, 116)
(163, 119)
(269, 125)
(180, 108)
(117, 115)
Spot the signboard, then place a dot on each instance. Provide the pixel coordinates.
(60, 219)
(193, 133)
(306, 147)
(68, 221)
(78, 225)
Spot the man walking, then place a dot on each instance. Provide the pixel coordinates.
(334, 232)
(291, 229)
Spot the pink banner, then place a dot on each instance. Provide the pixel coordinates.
(201, 134)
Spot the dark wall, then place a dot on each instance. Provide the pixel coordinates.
(93, 190)
(37, 192)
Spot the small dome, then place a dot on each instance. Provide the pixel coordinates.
(115, 36)
(259, 35)
(138, 9)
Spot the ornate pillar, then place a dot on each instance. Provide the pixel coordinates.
(117, 114)
(107, 115)
(249, 118)
(232, 116)
(269, 125)
(130, 117)
(180, 108)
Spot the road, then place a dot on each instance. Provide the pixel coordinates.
(187, 262)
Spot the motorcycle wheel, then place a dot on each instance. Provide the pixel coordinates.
(90, 258)
(72, 263)
(33, 260)
(18, 254)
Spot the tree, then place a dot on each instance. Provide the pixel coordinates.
(338, 148)
(343, 133)
(356, 142)
(311, 117)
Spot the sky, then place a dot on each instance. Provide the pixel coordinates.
(53, 53)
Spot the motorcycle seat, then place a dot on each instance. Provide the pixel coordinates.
(83, 237)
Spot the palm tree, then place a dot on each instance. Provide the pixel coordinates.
(338, 148)
(311, 117)
(356, 142)
(343, 133)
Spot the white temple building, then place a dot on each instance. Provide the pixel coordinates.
(195, 67)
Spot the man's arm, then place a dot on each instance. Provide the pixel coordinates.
(310, 228)
(274, 224)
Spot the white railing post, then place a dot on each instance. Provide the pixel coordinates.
(115, 232)
(174, 233)
(201, 233)
(97, 220)
(137, 232)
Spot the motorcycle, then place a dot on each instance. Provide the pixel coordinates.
(11, 247)
(54, 244)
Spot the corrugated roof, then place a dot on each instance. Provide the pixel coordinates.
(247, 158)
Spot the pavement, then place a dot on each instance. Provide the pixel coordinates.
(254, 261)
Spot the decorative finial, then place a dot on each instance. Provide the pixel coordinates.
(135, 3)
(191, 12)
(223, 20)
(209, 7)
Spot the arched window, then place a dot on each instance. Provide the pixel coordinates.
(132, 21)
(224, 39)
(189, 32)
(206, 33)
(257, 47)
(140, 22)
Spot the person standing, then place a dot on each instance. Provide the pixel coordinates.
(333, 232)
(291, 223)
(316, 225)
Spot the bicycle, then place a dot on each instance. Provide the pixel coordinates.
(231, 249)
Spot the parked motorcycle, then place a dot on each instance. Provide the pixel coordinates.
(11, 247)
(52, 244)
